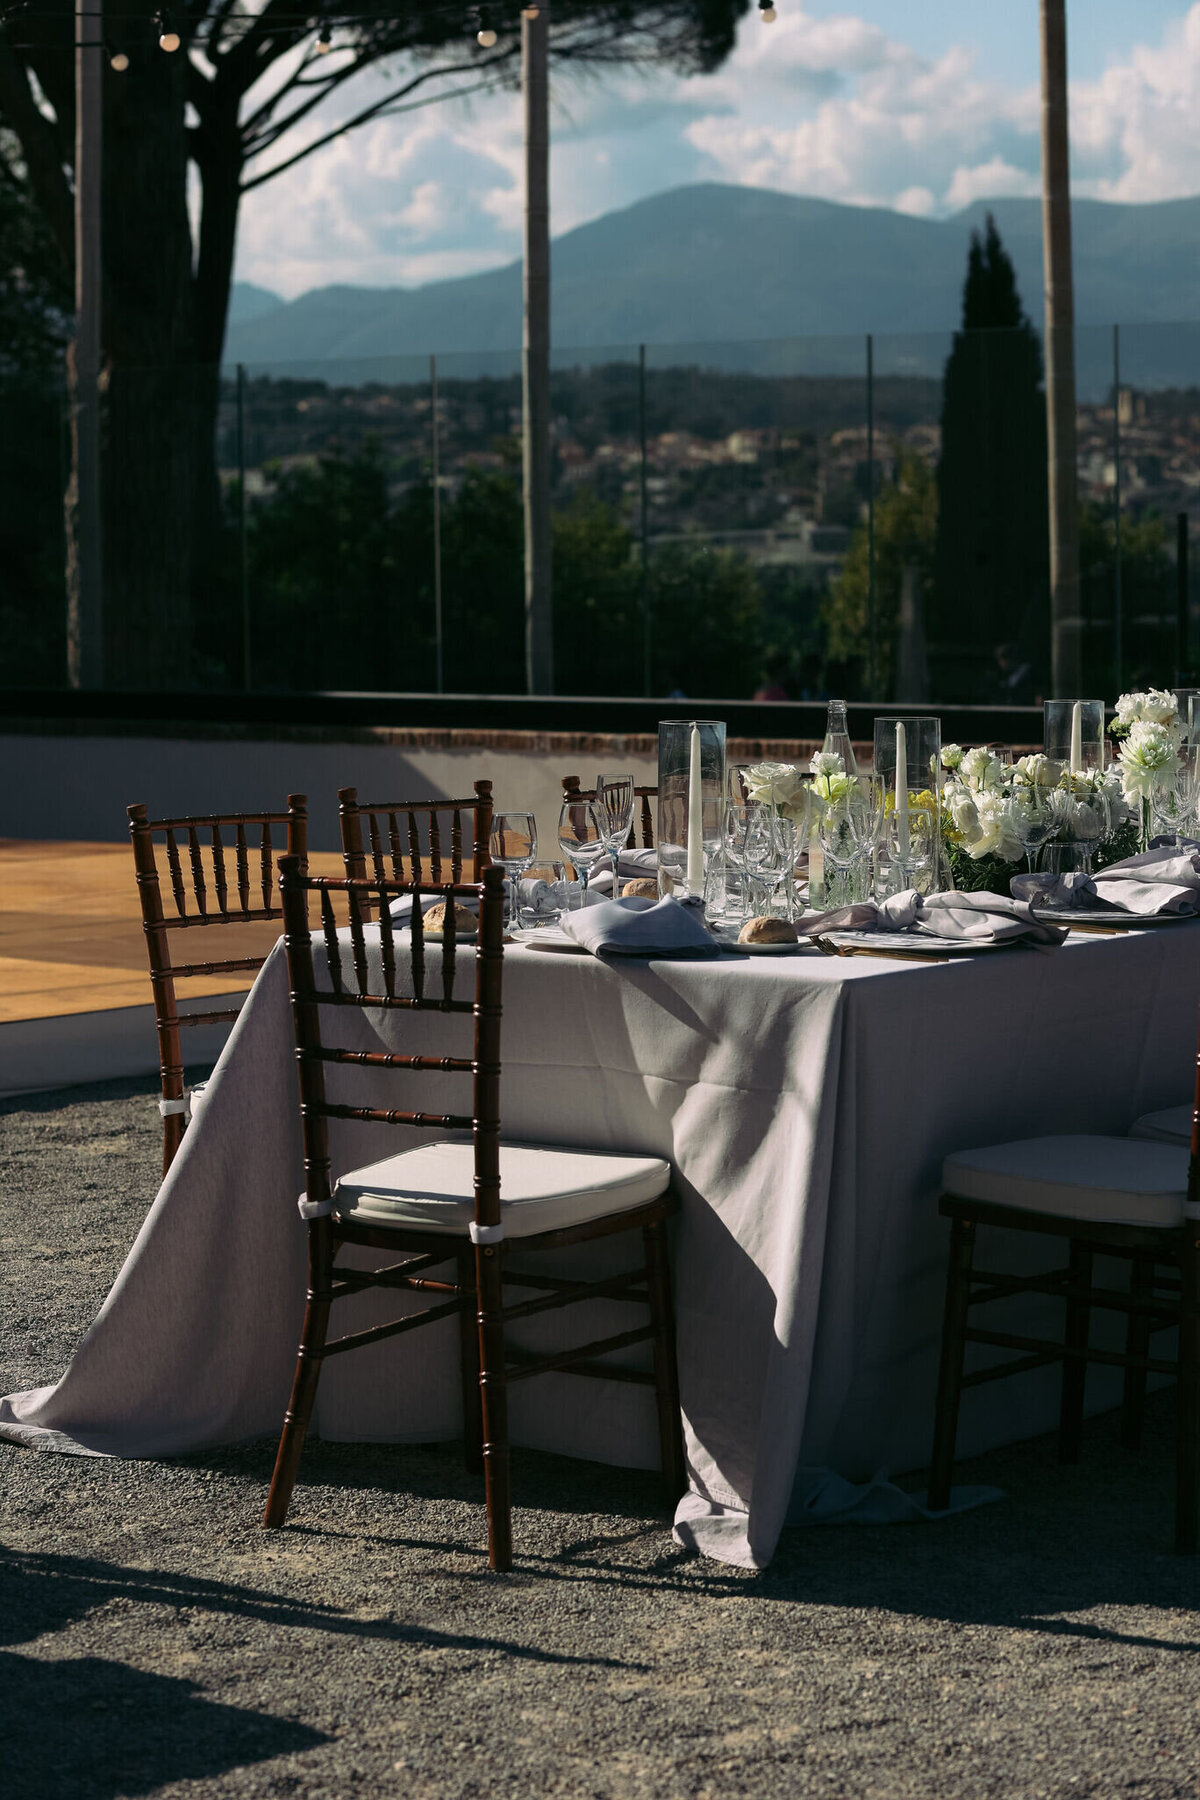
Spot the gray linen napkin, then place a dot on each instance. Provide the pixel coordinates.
(637, 927)
(968, 918)
(1154, 882)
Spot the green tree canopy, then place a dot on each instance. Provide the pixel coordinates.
(906, 515)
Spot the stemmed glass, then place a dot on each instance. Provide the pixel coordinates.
(582, 837)
(1035, 824)
(770, 852)
(738, 814)
(864, 816)
(513, 845)
(614, 800)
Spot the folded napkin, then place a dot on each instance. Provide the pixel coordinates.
(969, 918)
(542, 898)
(637, 927)
(632, 865)
(1158, 881)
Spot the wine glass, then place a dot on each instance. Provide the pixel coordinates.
(513, 846)
(582, 836)
(865, 820)
(1034, 824)
(615, 800)
(737, 822)
(770, 851)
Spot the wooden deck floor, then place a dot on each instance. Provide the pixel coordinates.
(71, 934)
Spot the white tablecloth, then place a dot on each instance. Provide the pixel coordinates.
(805, 1104)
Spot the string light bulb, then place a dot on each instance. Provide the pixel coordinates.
(324, 41)
(485, 37)
(766, 12)
(118, 61)
(529, 12)
(168, 38)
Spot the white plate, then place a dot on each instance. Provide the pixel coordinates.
(733, 948)
(1110, 921)
(915, 943)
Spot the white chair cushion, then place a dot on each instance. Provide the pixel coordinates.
(1172, 1126)
(1112, 1181)
(542, 1188)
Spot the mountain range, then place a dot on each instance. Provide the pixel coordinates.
(724, 268)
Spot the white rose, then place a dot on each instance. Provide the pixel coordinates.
(998, 835)
(1037, 770)
(952, 755)
(963, 814)
(827, 762)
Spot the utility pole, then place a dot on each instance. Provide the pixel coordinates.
(85, 577)
(535, 354)
(1066, 626)
(439, 657)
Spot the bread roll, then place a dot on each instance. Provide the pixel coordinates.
(768, 931)
(434, 921)
(640, 890)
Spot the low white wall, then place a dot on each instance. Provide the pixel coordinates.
(77, 788)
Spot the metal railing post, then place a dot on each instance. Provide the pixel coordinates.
(244, 541)
(437, 526)
(871, 645)
(1118, 597)
(644, 520)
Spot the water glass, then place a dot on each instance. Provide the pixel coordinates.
(513, 845)
(543, 896)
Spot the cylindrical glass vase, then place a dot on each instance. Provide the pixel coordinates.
(908, 758)
(691, 802)
(1073, 734)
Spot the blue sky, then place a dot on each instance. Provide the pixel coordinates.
(919, 105)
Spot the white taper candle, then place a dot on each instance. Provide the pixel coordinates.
(901, 792)
(1077, 738)
(695, 839)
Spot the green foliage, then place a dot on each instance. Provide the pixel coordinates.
(341, 579)
(985, 874)
(905, 536)
(991, 574)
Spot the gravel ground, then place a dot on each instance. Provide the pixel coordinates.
(155, 1641)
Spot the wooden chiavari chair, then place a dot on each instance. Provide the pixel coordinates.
(415, 839)
(646, 799)
(221, 870)
(466, 1200)
(1134, 1199)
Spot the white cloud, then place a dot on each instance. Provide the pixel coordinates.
(832, 106)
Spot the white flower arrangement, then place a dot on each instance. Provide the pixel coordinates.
(830, 780)
(1149, 756)
(780, 785)
(1154, 706)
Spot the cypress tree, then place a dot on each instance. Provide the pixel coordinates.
(991, 570)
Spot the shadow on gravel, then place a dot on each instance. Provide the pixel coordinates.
(93, 1730)
(40, 1593)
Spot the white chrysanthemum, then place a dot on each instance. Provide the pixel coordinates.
(981, 770)
(952, 755)
(1149, 759)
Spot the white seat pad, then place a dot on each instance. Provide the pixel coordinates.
(542, 1188)
(1172, 1126)
(1112, 1181)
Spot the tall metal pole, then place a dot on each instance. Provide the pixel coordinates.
(645, 526)
(1118, 595)
(85, 577)
(1066, 630)
(1183, 652)
(437, 525)
(871, 646)
(535, 357)
(242, 534)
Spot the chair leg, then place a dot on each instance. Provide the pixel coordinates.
(950, 1372)
(1187, 1394)
(1137, 1344)
(173, 1126)
(489, 1289)
(308, 1373)
(1075, 1338)
(666, 1369)
(468, 1344)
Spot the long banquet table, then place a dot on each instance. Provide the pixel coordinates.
(805, 1104)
